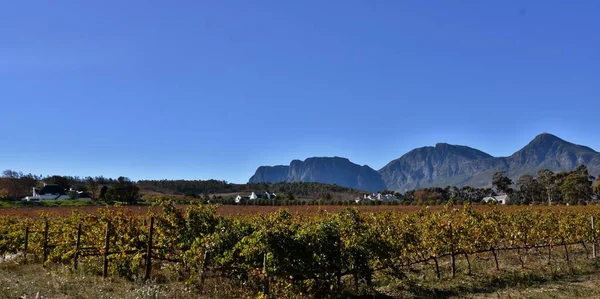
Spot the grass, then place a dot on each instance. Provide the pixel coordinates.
(30, 281)
(579, 278)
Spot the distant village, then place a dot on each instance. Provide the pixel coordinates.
(49, 190)
(271, 196)
(373, 197)
(55, 192)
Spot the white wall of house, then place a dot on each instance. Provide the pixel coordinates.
(35, 196)
(48, 197)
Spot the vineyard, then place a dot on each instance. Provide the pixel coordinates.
(280, 254)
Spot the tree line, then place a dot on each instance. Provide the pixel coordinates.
(14, 185)
(545, 187)
(567, 187)
(199, 187)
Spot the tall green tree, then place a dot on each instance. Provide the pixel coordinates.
(596, 188)
(576, 188)
(92, 185)
(103, 191)
(530, 189)
(502, 182)
(124, 190)
(290, 196)
(547, 181)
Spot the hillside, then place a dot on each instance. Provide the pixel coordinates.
(328, 170)
(440, 165)
(460, 165)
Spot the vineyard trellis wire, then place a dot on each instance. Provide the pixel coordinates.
(309, 253)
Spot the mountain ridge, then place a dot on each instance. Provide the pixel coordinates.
(440, 165)
(329, 170)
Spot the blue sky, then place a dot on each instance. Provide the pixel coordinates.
(199, 89)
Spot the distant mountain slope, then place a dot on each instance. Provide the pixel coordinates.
(271, 174)
(549, 151)
(440, 165)
(329, 170)
(460, 165)
(444, 164)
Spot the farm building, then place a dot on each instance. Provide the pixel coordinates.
(54, 192)
(378, 196)
(500, 199)
(254, 196)
(48, 192)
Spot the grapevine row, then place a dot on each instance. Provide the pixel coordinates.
(308, 254)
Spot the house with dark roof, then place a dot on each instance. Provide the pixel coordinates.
(48, 192)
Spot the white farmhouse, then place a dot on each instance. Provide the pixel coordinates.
(55, 192)
(500, 199)
(377, 196)
(255, 196)
(48, 192)
(240, 198)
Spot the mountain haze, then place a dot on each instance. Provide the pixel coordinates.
(440, 165)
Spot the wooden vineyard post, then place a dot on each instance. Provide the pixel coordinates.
(338, 272)
(149, 250)
(265, 276)
(452, 261)
(203, 269)
(495, 258)
(593, 238)
(76, 257)
(437, 268)
(25, 247)
(468, 263)
(106, 249)
(45, 244)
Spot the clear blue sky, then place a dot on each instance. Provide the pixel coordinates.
(213, 89)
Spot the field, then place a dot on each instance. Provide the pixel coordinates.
(225, 210)
(303, 252)
(249, 210)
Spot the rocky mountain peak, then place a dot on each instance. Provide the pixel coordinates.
(440, 165)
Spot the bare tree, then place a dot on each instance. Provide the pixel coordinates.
(92, 185)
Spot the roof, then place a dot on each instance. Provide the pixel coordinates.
(51, 189)
(502, 197)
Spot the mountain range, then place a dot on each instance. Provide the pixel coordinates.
(440, 165)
